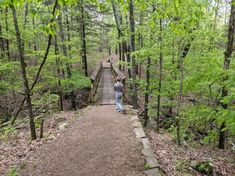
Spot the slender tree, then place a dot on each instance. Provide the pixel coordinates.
(227, 60)
(42, 63)
(24, 74)
(58, 64)
(83, 37)
(132, 38)
(6, 27)
(160, 76)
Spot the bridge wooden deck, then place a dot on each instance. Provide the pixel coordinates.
(105, 92)
(103, 79)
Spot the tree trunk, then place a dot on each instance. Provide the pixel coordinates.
(141, 40)
(127, 50)
(132, 29)
(68, 30)
(24, 75)
(41, 65)
(172, 73)
(83, 37)
(160, 77)
(1, 42)
(182, 54)
(120, 51)
(227, 59)
(68, 70)
(25, 22)
(7, 29)
(146, 95)
(35, 43)
(64, 49)
(58, 73)
(119, 24)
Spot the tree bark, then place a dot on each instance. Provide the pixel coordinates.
(160, 78)
(83, 37)
(117, 18)
(119, 25)
(35, 43)
(68, 30)
(120, 51)
(148, 64)
(24, 75)
(7, 29)
(132, 29)
(2, 42)
(141, 43)
(227, 60)
(58, 73)
(127, 49)
(25, 22)
(182, 55)
(146, 95)
(41, 128)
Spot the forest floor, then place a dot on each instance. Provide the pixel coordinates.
(15, 145)
(175, 160)
(99, 142)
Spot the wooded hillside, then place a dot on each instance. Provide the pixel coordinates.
(177, 55)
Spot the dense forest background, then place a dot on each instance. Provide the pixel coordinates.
(178, 56)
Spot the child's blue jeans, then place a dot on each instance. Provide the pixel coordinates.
(118, 101)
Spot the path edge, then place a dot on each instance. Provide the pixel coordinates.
(151, 163)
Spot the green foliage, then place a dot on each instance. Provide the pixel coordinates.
(146, 166)
(7, 132)
(8, 72)
(182, 165)
(185, 22)
(205, 167)
(77, 81)
(199, 112)
(46, 98)
(12, 172)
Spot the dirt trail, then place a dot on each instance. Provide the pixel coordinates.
(100, 143)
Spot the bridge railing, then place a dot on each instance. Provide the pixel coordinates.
(95, 77)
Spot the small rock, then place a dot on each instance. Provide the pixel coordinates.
(63, 126)
(136, 124)
(139, 132)
(134, 118)
(152, 172)
(233, 146)
(51, 137)
(147, 152)
(152, 162)
(145, 143)
(60, 119)
(128, 106)
(193, 163)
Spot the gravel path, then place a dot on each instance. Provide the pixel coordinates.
(100, 143)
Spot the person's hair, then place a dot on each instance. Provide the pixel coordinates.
(118, 79)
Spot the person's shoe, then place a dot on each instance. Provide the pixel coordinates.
(124, 111)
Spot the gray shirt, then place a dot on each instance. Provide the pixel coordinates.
(118, 87)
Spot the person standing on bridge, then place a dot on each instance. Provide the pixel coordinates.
(118, 87)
